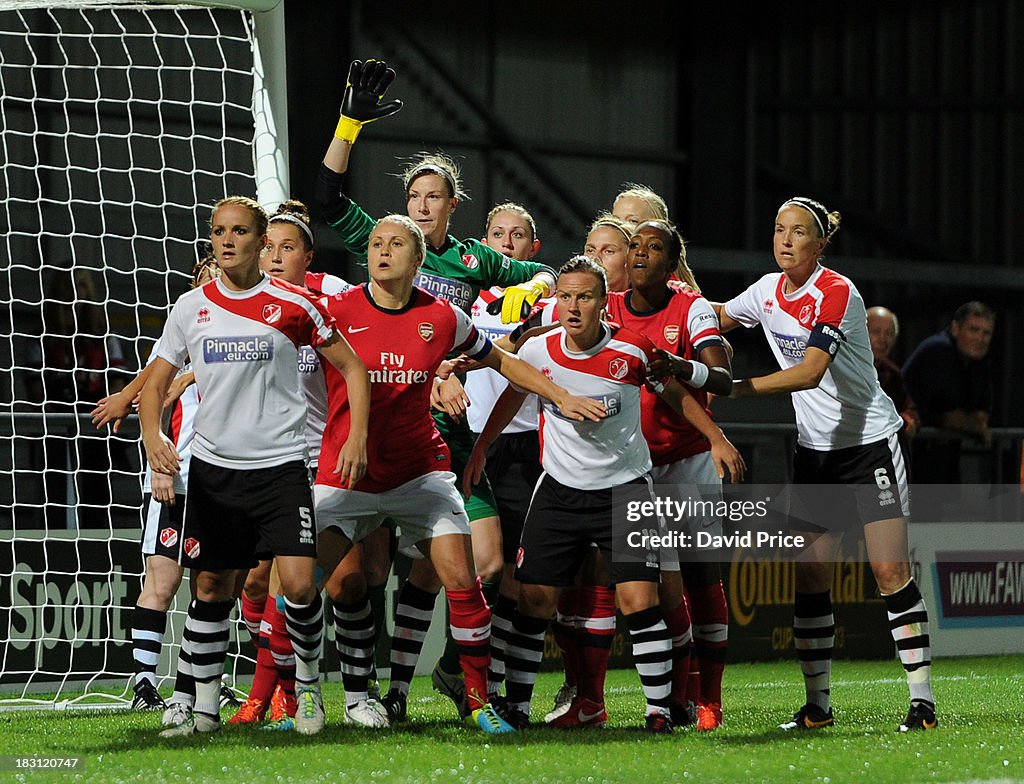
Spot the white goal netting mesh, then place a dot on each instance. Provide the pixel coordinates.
(119, 127)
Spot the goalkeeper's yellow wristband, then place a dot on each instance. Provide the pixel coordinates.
(348, 129)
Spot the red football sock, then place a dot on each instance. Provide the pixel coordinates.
(252, 614)
(280, 644)
(678, 622)
(693, 679)
(564, 628)
(595, 633)
(265, 679)
(470, 620)
(710, 638)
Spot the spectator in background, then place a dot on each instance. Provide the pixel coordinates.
(883, 329)
(949, 376)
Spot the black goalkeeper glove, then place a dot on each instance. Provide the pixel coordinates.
(367, 83)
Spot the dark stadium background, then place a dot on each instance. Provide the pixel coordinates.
(906, 117)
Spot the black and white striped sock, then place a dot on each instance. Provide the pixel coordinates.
(353, 636)
(184, 681)
(501, 628)
(412, 620)
(523, 654)
(148, 627)
(814, 635)
(305, 623)
(206, 632)
(652, 656)
(908, 621)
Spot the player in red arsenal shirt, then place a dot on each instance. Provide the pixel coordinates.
(404, 334)
(572, 504)
(683, 325)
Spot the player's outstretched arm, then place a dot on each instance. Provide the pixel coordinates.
(352, 458)
(160, 452)
(514, 339)
(726, 323)
(527, 377)
(505, 408)
(118, 405)
(806, 375)
(725, 456)
(449, 396)
(711, 373)
(525, 331)
(361, 104)
(178, 386)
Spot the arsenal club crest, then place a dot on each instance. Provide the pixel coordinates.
(271, 313)
(671, 333)
(618, 368)
(470, 261)
(426, 330)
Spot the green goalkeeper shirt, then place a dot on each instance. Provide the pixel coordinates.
(455, 272)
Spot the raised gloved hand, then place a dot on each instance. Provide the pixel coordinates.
(517, 301)
(367, 83)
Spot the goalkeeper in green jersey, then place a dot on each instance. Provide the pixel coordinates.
(454, 270)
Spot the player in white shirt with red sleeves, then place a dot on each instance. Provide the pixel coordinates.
(404, 333)
(686, 458)
(816, 326)
(288, 255)
(248, 484)
(584, 464)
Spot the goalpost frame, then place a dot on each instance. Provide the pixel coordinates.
(270, 83)
(270, 162)
(270, 107)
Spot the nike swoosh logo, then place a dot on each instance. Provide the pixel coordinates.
(813, 725)
(585, 717)
(353, 331)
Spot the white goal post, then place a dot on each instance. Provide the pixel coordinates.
(120, 124)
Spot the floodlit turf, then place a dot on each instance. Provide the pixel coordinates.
(981, 738)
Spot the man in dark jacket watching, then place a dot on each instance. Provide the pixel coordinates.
(949, 376)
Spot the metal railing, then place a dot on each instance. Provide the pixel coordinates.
(768, 449)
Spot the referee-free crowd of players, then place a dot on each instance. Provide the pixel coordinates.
(474, 411)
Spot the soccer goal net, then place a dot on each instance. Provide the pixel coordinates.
(120, 124)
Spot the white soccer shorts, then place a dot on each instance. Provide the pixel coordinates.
(692, 478)
(424, 508)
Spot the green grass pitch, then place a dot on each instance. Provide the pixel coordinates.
(980, 738)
